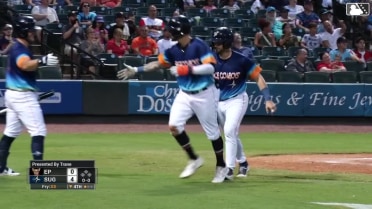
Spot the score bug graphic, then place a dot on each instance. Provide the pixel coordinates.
(358, 9)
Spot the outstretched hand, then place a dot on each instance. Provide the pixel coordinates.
(270, 107)
(127, 72)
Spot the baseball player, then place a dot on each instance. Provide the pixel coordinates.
(21, 98)
(232, 71)
(192, 62)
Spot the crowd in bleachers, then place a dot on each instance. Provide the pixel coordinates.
(284, 36)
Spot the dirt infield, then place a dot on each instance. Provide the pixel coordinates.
(342, 163)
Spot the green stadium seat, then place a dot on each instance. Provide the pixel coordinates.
(272, 64)
(354, 66)
(292, 51)
(2, 73)
(269, 75)
(345, 77)
(157, 3)
(201, 32)
(211, 22)
(244, 14)
(317, 51)
(234, 23)
(142, 11)
(3, 60)
(100, 10)
(125, 10)
(316, 77)
(222, 13)
(273, 51)
(298, 32)
(249, 32)
(365, 76)
(369, 66)
(290, 77)
(23, 9)
(261, 13)
(133, 3)
(168, 12)
(50, 72)
(194, 12)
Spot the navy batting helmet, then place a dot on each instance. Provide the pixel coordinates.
(224, 36)
(179, 26)
(23, 25)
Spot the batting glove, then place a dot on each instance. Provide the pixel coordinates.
(180, 70)
(49, 59)
(127, 72)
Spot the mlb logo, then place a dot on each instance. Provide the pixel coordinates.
(357, 9)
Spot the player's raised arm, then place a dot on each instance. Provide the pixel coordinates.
(130, 71)
(255, 74)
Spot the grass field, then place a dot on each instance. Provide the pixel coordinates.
(140, 171)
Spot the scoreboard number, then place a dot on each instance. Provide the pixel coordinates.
(72, 175)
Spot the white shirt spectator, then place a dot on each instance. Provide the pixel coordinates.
(50, 12)
(164, 44)
(257, 5)
(294, 11)
(232, 9)
(312, 42)
(332, 38)
(156, 24)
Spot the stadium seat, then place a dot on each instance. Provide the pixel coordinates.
(244, 14)
(211, 22)
(316, 77)
(252, 23)
(290, 77)
(222, 13)
(50, 72)
(3, 60)
(142, 11)
(66, 9)
(194, 12)
(369, 66)
(125, 10)
(292, 51)
(272, 64)
(345, 77)
(247, 5)
(261, 13)
(100, 10)
(54, 27)
(133, 3)
(249, 32)
(298, 32)
(234, 23)
(168, 12)
(365, 76)
(273, 51)
(354, 66)
(2, 73)
(131, 60)
(23, 9)
(201, 32)
(157, 3)
(317, 51)
(269, 75)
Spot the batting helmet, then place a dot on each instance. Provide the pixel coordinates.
(224, 36)
(179, 26)
(23, 25)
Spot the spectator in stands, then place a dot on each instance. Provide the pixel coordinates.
(300, 63)
(7, 40)
(131, 22)
(284, 18)
(265, 37)
(209, 5)
(72, 33)
(258, 5)
(85, 16)
(361, 52)
(369, 24)
(238, 46)
(92, 3)
(43, 14)
(117, 45)
(14, 2)
(325, 15)
(119, 23)
(187, 4)
(327, 4)
(143, 44)
(307, 16)
(311, 40)
(109, 3)
(33, 2)
(166, 41)
(92, 46)
(288, 39)
(277, 26)
(326, 65)
(232, 6)
(330, 36)
(154, 24)
(294, 9)
(62, 3)
(343, 52)
(100, 29)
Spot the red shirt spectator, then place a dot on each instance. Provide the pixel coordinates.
(117, 45)
(361, 51)
(327, 66)
(109, 3)
(143, 44)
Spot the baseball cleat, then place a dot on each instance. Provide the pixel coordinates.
(9, 172)
(221, 173)
(230, 175)
(243, 170)
(191, 167)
